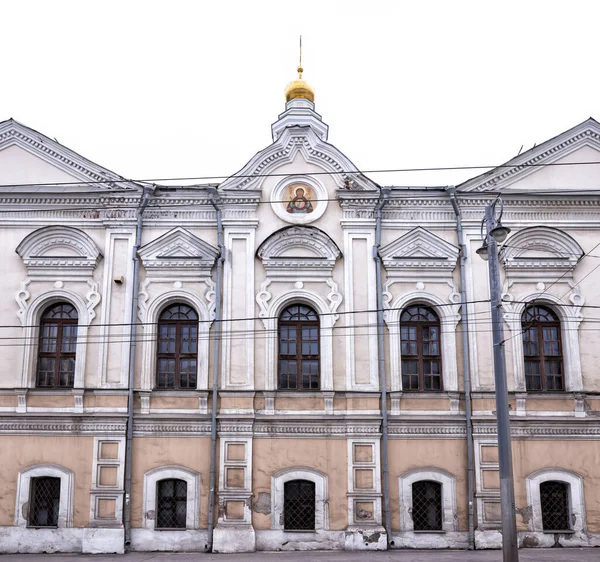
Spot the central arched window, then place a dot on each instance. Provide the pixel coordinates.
(420, 349)
(542, 349)
(298, 349)
(177, 359)
(171, 504)
(299, 505)
(57, 346)
(427, 505)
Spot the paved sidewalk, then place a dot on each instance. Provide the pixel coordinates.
(526, 555)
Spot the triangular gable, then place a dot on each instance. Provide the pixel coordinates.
(419, 251)
(579, 144)
(29, 160)
(314, 151)
(178, 252)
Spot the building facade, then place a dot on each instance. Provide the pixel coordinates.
(272, 284)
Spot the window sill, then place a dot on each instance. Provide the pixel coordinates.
(303, 531)
(42, 527)
(171, 529)
(566, 532)
(439, 532)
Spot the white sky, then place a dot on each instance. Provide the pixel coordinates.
(181, 88)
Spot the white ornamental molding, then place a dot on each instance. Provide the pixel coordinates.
(297, 251)
(540, 249)
(178, 253)
(313, 150)
(419, 254)
(59, 251)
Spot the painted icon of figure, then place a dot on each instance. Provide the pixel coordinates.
(299, 204)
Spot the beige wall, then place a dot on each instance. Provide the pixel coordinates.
(21, 451)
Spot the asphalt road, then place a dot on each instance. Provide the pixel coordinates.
(526, 555)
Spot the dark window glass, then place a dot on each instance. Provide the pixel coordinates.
(298, 349)
(44, 502)
(420, 349)
(542, 349)
(554, 497)
(171, 504)
(177, 350)
(57, 347)
(299, 505)
(427, 506)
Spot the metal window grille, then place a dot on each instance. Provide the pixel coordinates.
(299, 505)
(299, 354)
(554, 497)
(57, 347)
(420, 346)
(542, 348)
(171, 504)
(177, 350)
(44, 502)
(427, 506)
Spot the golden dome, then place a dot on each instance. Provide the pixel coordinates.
(299, 89)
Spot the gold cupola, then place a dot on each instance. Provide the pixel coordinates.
(299, 88)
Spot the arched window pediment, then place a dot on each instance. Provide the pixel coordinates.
(540, 248)
(299, 249)
(59, 248)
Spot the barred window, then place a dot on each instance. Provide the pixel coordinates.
(542, 349)
(427, 505)
(44, 502)
(554, 497)
(177, 359)
(57, 347)
(420, 349)
(171, 504)
(299, 505)
(298, 349)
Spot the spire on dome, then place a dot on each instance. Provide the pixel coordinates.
(299, 88)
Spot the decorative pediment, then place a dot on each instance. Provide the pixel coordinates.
(178, 253)
(297, 250)
(303, 140)
(419, 253)
(60, 250)
(29, 157)
(546, 166)
(540, 249)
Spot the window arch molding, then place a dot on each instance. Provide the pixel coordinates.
(449, 317)
(32, 332)
(327, 321)
(151, 479)
(570, 318)
(66, 476)
(150, 327)
(576, 497)
(320, 481)
(448, 482)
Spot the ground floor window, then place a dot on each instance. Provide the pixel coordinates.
(44, 502)
(427, 506)
(171, 502)
(299, 505)
(554, 499)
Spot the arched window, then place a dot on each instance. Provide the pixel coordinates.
(420, 349)
(427, 505)
(44, 502)
(171, 504)
(57, 346)
(177, 359)
(542, 349)
(554, 499)
(298, 349)
(299, 505)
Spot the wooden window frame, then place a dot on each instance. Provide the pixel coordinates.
(298, 356)
(419, 357)
(539, 325)
(177, 356)
(58, 355)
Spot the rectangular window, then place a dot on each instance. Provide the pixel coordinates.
(44, 502)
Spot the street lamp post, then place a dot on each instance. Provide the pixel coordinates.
(495, 233)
